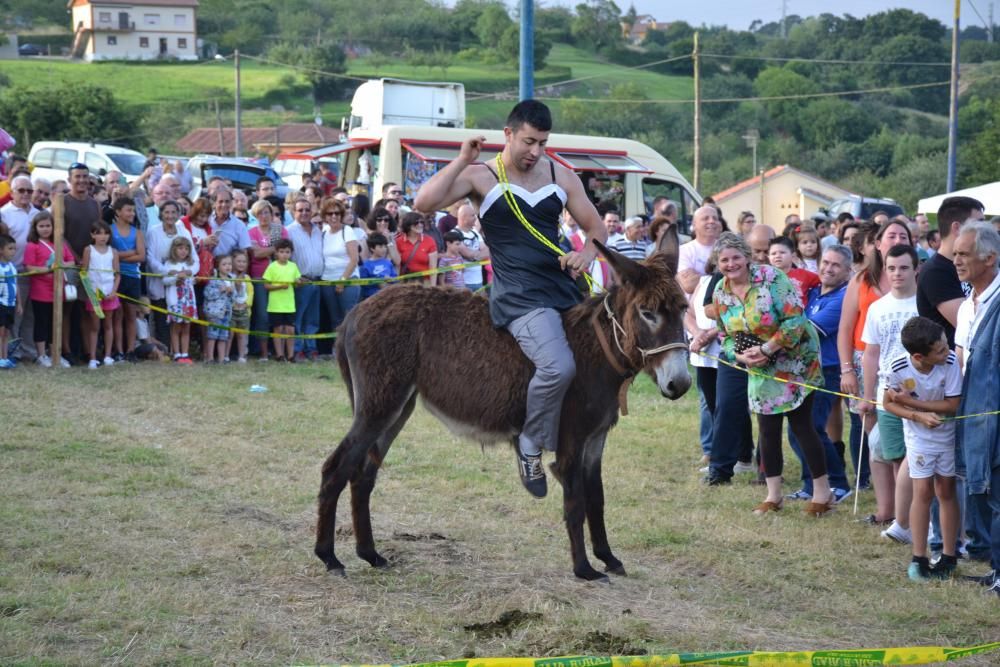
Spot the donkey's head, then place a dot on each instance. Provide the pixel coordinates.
(650, 307)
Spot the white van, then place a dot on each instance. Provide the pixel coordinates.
(51, 159)
(618, 173)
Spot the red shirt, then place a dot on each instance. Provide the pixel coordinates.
(804, 281)
(421, 258)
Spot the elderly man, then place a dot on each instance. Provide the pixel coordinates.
(161, 193)
(977, 335)
(825, 303)
(307, 240)
(229, 231)
(17, 215)
(632, 244)
(759, 240)
(694, 254)
(43, 192)
(473, 247)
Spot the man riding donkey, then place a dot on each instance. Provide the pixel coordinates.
(520, 200)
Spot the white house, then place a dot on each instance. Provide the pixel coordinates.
(144, 30)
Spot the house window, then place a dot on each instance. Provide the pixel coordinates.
(144, 42)
(182, 43)
(180, 20)
(151, 19)
(104, 17)
(112, 40)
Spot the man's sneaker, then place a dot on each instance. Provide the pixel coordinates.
(108, 361)
(93, 364)
(532, 474)
(6, 364)
(987, 579)
(714, 480)
(897, 533)
(64, 362)
(118, 356)
(840, 494)
(704, 471)
(799, 495)
(995, 587)
(44, 361)
(744, 467)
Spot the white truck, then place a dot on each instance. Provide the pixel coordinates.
(398, 102)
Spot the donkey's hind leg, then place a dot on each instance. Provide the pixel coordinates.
(363, 483)
(594, 499)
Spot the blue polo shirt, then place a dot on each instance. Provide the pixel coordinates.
(824, 312)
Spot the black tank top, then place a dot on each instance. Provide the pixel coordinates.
(526, 274)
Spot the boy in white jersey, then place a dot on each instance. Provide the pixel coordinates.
(922, 386)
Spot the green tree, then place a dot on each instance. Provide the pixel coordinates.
(597, 24)
(491, 25)
(77, 110)
(321, 62)
(825, 122)
(782, 82)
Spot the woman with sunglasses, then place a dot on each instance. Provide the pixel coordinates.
(417, 250)
(380, 222)
(341, 257)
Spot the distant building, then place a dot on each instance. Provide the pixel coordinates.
(785, 190)
(287, 138)
(144, 30)
(636, 33)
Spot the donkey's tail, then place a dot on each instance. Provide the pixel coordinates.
(340, 350)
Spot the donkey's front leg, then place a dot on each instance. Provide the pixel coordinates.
(574, 511)
(593, 491)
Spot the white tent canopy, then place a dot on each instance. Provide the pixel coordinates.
(989, 194)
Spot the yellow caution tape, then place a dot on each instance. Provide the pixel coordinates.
(911, 655)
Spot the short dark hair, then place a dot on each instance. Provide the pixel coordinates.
(919, 334)
(409, 221)
(532, 112)
(929, 236)
(283, 244)
(844, 216)
(375, 240)
(782, 241)
(6, 240)
(900, 250)
(452, 236)
(99, 226)
(956, 209)
(122, 202)
(842, 231)
(262, 179)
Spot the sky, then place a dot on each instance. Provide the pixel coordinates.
(739, 14)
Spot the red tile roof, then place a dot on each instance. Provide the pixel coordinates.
(742, 185)
(297, 136)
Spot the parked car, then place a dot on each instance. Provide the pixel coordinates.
(51, 159)
(291, 166)
(32, 50)
(241, 172)
(863, 208)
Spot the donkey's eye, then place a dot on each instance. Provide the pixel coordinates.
(648, 315)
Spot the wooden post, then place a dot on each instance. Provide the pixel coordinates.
(58, 279)
(218, 122)
(763, 217)
(697, 116)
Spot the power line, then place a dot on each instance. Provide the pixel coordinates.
(721, 100)
(827, 61)
(306, 69)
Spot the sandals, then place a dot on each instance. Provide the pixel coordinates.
(768, 506)
(819, 509)
(872, 521)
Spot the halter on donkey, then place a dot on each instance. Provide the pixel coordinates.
(401, 343)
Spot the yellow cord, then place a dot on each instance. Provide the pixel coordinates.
(512, 203)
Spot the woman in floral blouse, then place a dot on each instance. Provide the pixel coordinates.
(766, 330)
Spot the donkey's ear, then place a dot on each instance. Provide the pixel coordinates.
(629, 271)
(669, 248)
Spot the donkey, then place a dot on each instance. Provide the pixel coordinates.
(385, 373)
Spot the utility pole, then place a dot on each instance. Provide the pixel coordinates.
(527, 54)
(784, 13)
(752, 137)
(222, 134)
(697, 115)
(239, 137)
(989, 28)
(953, 112)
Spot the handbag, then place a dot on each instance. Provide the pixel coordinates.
(744, 340)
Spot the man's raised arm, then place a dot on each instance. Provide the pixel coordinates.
(451, 183)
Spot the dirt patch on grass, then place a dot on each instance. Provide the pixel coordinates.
(503, 625)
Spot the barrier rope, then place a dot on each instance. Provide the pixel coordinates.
(909, 655)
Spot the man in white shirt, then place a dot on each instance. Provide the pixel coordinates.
(975, 255)
(694, 254)
(473, 247)
(17, 214)
(307, 240)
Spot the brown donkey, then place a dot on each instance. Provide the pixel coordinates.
(636, 327)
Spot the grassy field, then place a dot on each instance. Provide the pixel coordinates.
(264, 86)
(163, 515)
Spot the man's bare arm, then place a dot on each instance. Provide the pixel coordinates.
(586, 216)
(451, 183)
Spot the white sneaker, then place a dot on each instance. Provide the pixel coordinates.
(744, 467)
(108, 361)
(897, 533)
(94, 364)
(44, 361)
(64, 362)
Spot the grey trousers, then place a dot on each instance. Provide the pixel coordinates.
(542, 339)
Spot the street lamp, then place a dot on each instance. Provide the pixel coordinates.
(752, 137)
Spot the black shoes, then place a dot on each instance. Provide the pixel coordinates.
(531, 472)
(715, 480)
(988, 579)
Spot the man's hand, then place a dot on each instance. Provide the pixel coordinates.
(471, 147)
(575, 261)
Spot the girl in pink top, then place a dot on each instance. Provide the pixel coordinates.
(39, 255)
(262, 239)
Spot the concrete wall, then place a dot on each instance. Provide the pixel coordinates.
(781, 198)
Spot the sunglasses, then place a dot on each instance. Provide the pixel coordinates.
(24, 191)
(336, 213)
(382, 218)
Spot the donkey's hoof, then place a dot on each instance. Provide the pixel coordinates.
(590, 574)
(337, 572)
(618, 570)
(374, 559)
